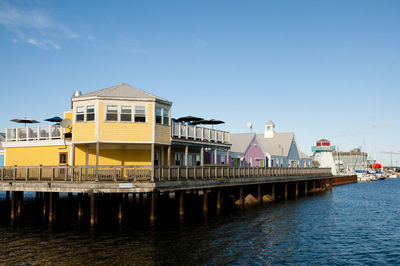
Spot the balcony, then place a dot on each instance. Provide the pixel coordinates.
(34, 133)
(323, 148)
(199, 133)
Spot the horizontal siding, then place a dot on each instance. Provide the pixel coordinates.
(126, 131)
(84, 131)
(163, 134)
(113, 156)
(35, 156)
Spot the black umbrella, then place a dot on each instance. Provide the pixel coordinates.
(189, 118)
(25, 121)
(55, 119)
(208, 122)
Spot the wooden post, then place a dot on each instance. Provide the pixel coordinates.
(73, 154)
(305, 188)
(205, 201)
(215, 155)
(202, 156)
(227, 157)
(12, 215)
(241, 196)
(79, 206)
(87, 162)
(92, 209)
(314, 186)
(297, 189)
(120, 209)
(186, 155)
(273, 191)
(152, 162)
(153, 207)
(50, 207)
(169, 156)
(259, 193)
(20, 202)
(286, 190)
(218, 200)
(181, 203)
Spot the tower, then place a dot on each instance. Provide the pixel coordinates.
(269, 130)
(323, 153)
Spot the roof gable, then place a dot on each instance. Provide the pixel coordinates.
(273, 146)
(122, 91)
(241, 141)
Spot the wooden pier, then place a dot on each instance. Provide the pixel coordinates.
(156, 184)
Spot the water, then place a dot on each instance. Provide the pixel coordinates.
(352, 224)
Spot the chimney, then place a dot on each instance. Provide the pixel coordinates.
(269, 130)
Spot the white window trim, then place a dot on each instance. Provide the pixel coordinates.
(146, 113)
(75, 113)
(162, 116)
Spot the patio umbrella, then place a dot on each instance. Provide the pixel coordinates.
(189, 118)
(208, 122)
(24, 120)
(55, 119)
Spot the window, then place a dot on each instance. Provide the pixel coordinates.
(80, 116)
(112, 113)
(158, 115)
(90, 113)
(126, 113)
(63, 157)
(140, 114)
(156, 158)
(165, 117)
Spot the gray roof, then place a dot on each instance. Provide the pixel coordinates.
(273, 146)
(270, 123)
(2, 136)
(304, 156)
(240, 141)
(122, 91)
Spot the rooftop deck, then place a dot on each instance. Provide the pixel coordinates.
(34, 133)
(199, 133)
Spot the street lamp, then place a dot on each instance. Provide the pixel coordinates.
(280, 146)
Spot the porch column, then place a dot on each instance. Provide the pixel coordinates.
(73, 155)
(152, 161)
(215, 155)
(186, 155)
(169, 156)
(97, 154)
(87, 161)
(202, 156)
(162, 163)
(227, 157)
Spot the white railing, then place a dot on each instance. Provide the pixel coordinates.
(186, 131)
(34, 133)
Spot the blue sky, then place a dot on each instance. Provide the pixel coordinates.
(318, 68)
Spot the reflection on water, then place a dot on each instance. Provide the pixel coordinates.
(356, 223)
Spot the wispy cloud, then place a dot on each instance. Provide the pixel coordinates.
(34, 27)
(391, 151)
(386, 124)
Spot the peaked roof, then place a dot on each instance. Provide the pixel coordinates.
(123, 91)
(240, 141)
(270, 123)
(303, 155)
(273, 146)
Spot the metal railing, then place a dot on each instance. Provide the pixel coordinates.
(147, 173)
(186, 131)
(34, 133)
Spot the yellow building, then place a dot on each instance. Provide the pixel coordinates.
(119, 125)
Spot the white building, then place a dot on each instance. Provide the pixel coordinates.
(323, 153)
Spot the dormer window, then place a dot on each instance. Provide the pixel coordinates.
(158, 115)
(140, 114)
(112, 113)
(80, 115)
(166, 117)
(90, 113)
(126, 113)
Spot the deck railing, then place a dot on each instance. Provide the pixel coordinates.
(193, 132)
(146, 173)
(34, 133)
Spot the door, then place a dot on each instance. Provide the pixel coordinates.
(62, 161)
